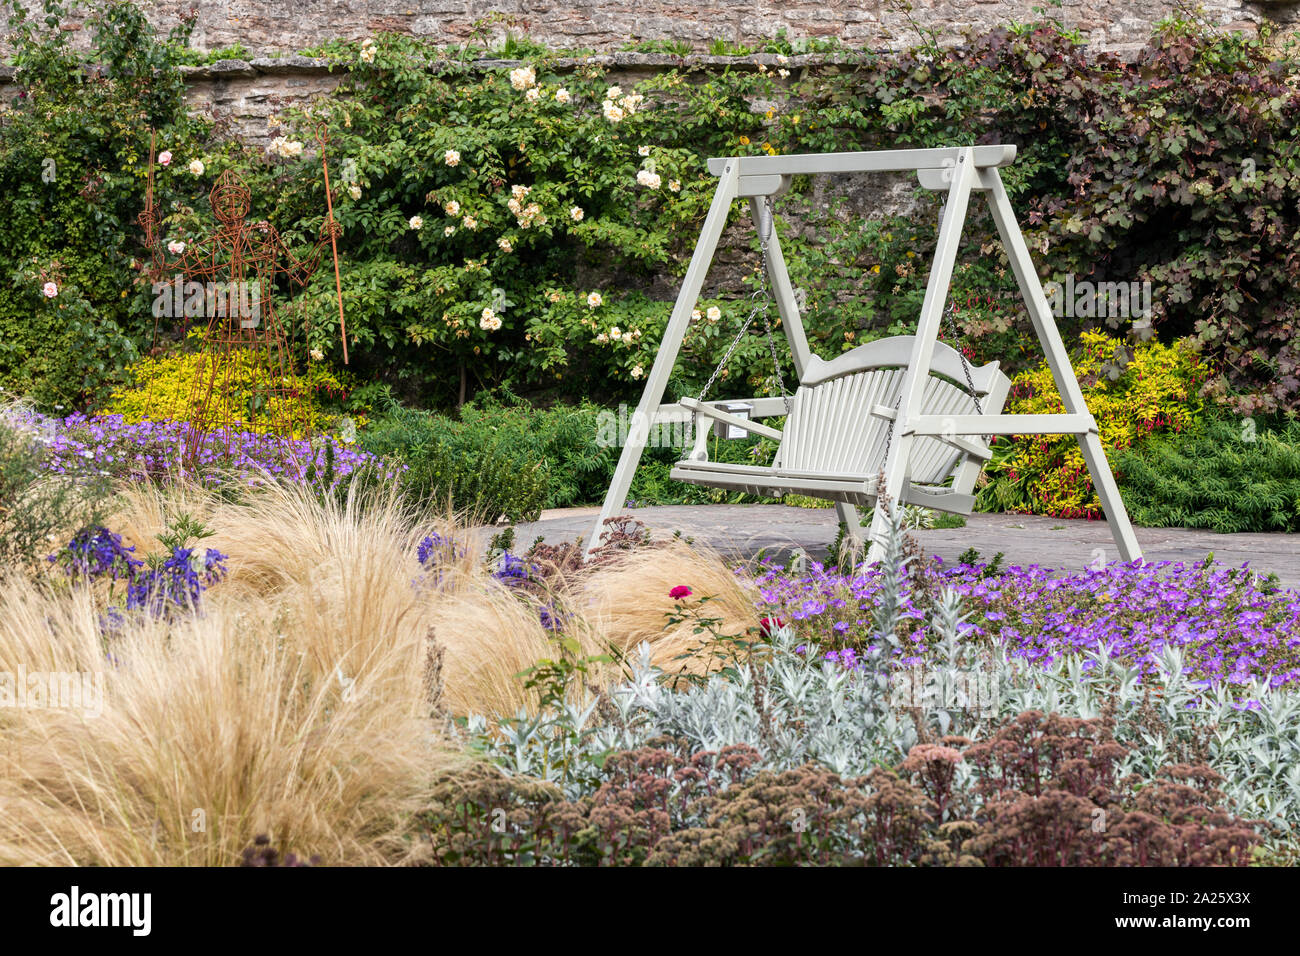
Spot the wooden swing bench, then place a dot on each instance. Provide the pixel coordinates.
(890, 418)
(839, 430)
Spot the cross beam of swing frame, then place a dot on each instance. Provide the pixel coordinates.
(961, 171)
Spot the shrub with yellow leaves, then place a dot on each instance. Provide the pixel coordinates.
(1154, 391)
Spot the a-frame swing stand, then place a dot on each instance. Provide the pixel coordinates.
(960, 171)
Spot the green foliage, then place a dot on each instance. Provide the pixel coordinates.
(1188, 184)
(1227, 477)
(496, 459)
(72, 167)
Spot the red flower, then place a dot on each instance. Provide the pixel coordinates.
(679, 592)
(770, 625)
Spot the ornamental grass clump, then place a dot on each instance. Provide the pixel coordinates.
(297, 704)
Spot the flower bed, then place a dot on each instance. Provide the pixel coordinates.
(1231, 625)
(162, 451)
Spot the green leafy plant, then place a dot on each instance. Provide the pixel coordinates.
(1227, 477)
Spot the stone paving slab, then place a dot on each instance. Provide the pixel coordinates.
(744, 530)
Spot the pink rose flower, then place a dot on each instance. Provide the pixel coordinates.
(679, 592)
(50, 290)
(165, 157)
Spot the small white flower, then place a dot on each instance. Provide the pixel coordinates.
(614, 92)
(469, 222)
(196, 167)
(782, 59)
(648, 179)
(637, 371)
(354, 191)
(576, 214)
(451, 157)
(643, 151)
(317, 355)
(697, 315)
(518, 192)
(367, 54)
(505, 244)
(674, 186)
(486, 315)
(533, 95)
(634, 334)
(562, 95)
(594, 300)
(489, 321)
(612, 113)
(616, 333)
(416, 222)
(450, 230)
(523, 78)
(602, 338)
(176, 247)
(714, 313)
(783, 73)
(452, 208)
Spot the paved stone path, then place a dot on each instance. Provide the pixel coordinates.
(744, 530)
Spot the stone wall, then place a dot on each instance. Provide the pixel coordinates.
(288, 26)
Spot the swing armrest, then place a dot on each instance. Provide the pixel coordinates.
(974, 449)
(726, 417)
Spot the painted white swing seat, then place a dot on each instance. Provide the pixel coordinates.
(836, 434)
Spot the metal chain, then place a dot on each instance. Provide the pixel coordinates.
(762, 305)
(951, 328)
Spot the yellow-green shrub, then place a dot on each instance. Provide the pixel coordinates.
(172, 387)
(1155, 392)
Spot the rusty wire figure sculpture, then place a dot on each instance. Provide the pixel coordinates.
(245, 380)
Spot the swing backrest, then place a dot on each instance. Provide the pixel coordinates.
(830, 428)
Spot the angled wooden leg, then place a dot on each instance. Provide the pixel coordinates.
(783, 291)
(678, 323)
(918, 370)
(1058, 359)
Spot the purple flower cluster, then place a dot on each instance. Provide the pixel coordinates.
(512, 570)
(437, 549)
(166, 450)
(164, 590)
(174, 587)
(96, 552)
(1230, 625)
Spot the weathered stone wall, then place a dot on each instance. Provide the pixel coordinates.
(289, 25)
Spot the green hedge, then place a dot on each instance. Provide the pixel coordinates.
(1229, 476)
